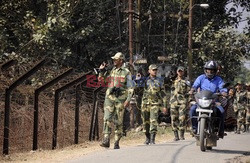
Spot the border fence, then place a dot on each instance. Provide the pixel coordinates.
(62, 109)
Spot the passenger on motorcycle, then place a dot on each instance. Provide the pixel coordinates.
(208, 81)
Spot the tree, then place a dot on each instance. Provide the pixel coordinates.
(83, 33)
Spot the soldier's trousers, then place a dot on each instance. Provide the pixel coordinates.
(178, 116)
(149, 118)
(241, 118)
(248, 116)
(113, 112)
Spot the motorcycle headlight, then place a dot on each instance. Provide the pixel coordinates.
(205, 102)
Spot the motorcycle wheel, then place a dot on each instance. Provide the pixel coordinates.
(209, 148)
(202, 134)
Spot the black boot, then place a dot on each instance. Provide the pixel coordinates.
(152, 138)
(247, 127)
(147, 141)
(182, 135)
(176, 136)
(105, 142)
(116, 145)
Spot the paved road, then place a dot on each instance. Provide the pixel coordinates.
(174, 152)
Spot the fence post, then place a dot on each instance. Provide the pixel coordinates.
(77, 103)
(8, 64)
(36, 102)
(93, 125)
(56, 103)
(7, 102)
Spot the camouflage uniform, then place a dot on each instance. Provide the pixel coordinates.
(178, 103)
(154, 97)
(248, 108)
(240, 108)
(113, 105)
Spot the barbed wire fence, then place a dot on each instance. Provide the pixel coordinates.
(22, 108)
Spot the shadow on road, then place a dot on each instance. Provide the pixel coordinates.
(224, 151)
(158, 145)
(166, 144)
(179, 151)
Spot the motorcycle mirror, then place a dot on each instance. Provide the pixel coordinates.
(188, 83)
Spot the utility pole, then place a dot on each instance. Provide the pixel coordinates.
(138, 28)
(190, 56)
(130, 26)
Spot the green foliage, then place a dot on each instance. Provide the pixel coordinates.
(83, 33)
(225, 46)
(243, 75)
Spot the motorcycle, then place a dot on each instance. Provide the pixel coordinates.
(208, 119)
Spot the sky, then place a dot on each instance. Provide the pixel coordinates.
(245, 15)
(242, 24)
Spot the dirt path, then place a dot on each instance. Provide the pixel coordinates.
(234, 148)
(76, 151)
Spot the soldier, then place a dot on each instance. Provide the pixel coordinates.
(178, 103)
(118, 95)
(248, 107)
(240, 100)
(153, 98)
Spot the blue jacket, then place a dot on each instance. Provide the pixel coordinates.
(204, 83)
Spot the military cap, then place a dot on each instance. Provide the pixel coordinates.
(180, 68)
(153, 67)
(240, 82)
(118, 55)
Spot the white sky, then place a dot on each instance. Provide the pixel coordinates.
(245, 15)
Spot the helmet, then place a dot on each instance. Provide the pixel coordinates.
(210, 65)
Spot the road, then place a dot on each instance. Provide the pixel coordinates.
(231, 146)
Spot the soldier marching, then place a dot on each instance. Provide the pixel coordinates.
(154, 98)
(178, 104)
(117, 98)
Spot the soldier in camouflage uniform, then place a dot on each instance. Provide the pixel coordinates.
(178, 103)
(154, 97)
(118, 95)
(240, 100)
(248, 107)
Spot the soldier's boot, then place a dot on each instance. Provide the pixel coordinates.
(247, 127)
(147, 141)
(116, 145)
(238, 131)
(105, 142)
(182, 135)
(176, 136)
(152, 138)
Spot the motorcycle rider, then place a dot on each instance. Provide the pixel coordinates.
(208, 81)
